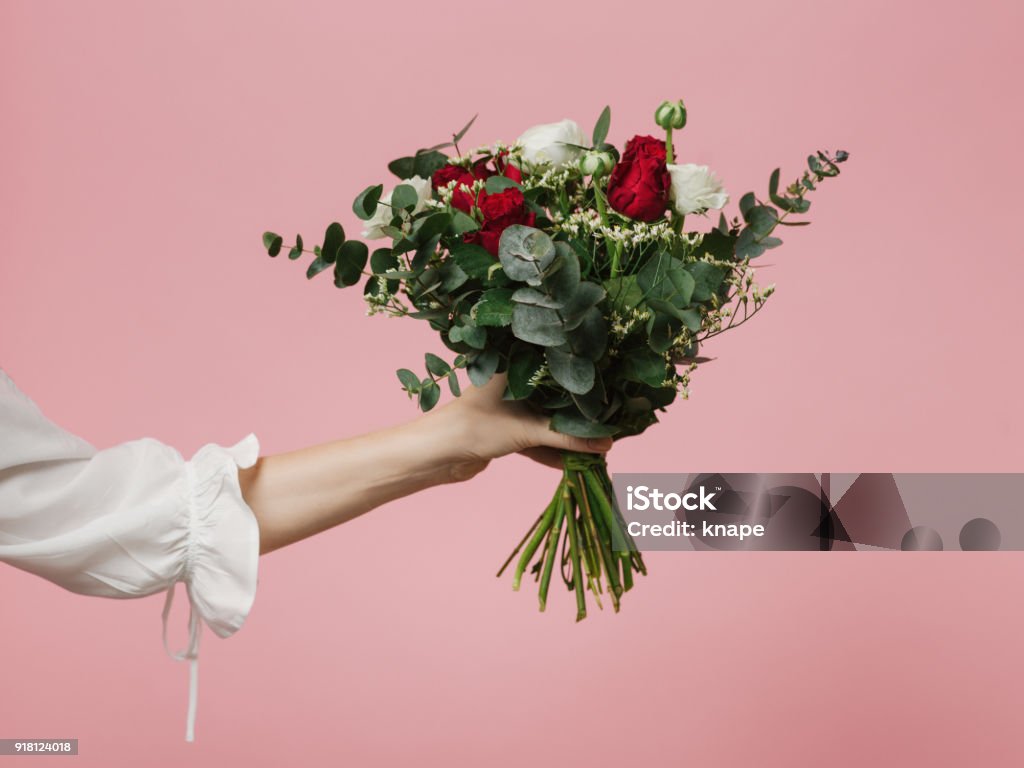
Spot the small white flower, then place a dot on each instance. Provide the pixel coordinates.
(383, 215)
(695, 188)
(551, 144)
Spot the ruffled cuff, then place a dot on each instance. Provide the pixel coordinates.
(223, 544)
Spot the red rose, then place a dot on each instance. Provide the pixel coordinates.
(639, 183)
(506, 168)
(446, 174)
(461, 198)
(500, 210)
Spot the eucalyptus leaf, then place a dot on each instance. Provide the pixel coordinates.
(482, 367)
(573, 372)
(427, 162)
(429, 226)
(525, 253)
(645, 366)
(692, 319)
(665, 281)
(333, 238)
(272, 242)
(762, 220)
(496, 184)
(707, 278)
(436, 365)
(316, 266)
(365, 205)
(562, 283)
(747, 202)
(452, 276)
(593, 404)
(410, 381)
(351, 259)
(538, 325)
(472, 335)
(662, 331)
(381, 260)
(462, 223)
(473, 259)
(535, 298)
(747, 246)
(624, 294)
(588, 295)
(571, 422)
(403, 167)
(494, 308)
(524, 362)
(404, 196)
(430, 393)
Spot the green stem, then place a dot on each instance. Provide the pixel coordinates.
(633, 554)
(669, 154)
(602, 547)
(535, 541)
(520, 545)
(549, 561)
(574, 554)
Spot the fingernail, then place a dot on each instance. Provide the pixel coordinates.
(599, 443)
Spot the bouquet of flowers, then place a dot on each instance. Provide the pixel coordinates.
(565, 265)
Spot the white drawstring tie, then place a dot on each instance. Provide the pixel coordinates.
(189, 652)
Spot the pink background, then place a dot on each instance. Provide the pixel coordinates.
(145, 147)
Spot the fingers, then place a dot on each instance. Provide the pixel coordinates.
(548, 437)
(546, 456)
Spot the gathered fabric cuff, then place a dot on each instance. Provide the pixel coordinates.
(222, 549)
(223, 545)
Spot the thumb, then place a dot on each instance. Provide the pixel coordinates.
(548, 437)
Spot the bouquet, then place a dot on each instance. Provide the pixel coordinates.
(566, 265)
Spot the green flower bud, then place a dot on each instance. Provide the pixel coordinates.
(596, 163)
(671, 114)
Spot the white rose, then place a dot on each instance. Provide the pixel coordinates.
(695, 188)
(383, 215)
(546, 145)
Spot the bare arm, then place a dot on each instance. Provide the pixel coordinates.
(298, 494)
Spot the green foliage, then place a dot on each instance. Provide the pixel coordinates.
(761, 219)
(601, 126)
(333, 238)
(272, 242)
(365, 205)
(404, 197)
(494, 308)
(349, 263)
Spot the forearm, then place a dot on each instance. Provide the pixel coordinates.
(301, 493)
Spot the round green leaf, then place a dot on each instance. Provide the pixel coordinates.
(436, 365)
(430, 393)
(272, 242)
(365, 205)
(333, 238)
(351, 259)
(573, 372)
(410, 381)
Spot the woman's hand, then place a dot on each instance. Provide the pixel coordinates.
(492, 427)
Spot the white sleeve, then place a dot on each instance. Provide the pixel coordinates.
(128, 521)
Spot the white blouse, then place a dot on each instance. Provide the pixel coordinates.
(129, 521)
